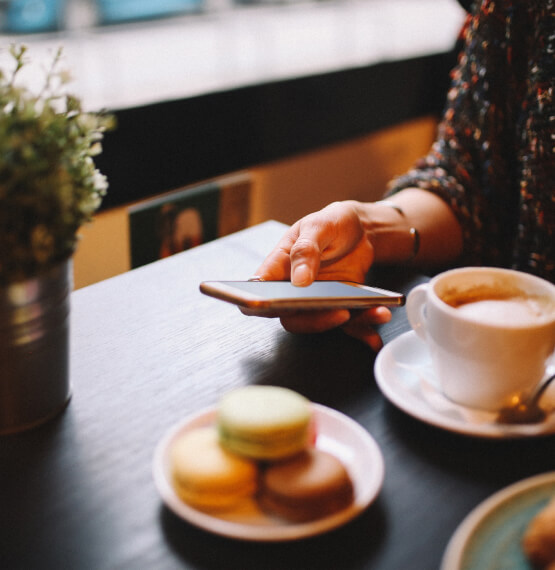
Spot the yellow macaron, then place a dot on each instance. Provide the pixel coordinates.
(206, 475)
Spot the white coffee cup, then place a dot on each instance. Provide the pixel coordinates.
(490, 333)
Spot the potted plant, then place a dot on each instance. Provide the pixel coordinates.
(49, 187)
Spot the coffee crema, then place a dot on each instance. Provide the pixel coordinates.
(457, 296)
(519, 311)
(500, 304)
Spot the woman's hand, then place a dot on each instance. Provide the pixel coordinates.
(329, 245)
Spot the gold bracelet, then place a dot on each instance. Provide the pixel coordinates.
(415, 234)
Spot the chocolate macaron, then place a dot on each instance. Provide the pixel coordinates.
(309, 486)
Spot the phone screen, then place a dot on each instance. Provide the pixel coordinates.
(318, 290)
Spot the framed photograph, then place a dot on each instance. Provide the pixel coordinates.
(185, 218)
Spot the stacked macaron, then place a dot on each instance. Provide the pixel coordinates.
(207, 476)
(264, 422)
(262, 448)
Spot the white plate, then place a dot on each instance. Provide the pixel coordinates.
(404, 375)
(336, 434)
(490, 536)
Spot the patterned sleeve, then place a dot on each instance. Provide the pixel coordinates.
(470, 164)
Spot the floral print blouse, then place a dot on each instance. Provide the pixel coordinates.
(494, 157)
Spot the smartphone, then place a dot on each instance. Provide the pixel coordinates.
(283, 296)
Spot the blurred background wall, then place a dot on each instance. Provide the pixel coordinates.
(314, 100)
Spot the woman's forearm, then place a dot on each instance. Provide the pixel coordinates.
(388, 223)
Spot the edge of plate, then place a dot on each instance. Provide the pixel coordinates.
(458, 543)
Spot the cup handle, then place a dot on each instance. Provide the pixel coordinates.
(416, 309)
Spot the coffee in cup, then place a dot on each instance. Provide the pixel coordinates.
(490, 333)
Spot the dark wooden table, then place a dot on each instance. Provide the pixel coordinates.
(147, 350)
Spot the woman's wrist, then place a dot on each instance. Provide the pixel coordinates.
(438, 239)
(414, 233)
(388, 228)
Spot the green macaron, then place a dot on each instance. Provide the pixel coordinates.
(264, 422)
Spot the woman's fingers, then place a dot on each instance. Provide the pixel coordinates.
(314, 321)
(361, 326)
(277, 265)
(358, 324)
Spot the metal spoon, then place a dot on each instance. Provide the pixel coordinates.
(526, 412)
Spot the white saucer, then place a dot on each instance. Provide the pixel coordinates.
(491, 535)
(336, 434)
(404, 375)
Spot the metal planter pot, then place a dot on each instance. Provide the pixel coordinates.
(34, 349)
